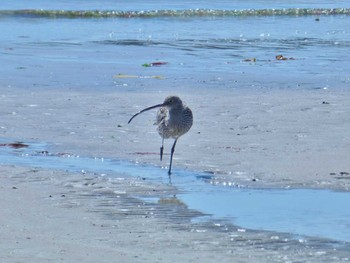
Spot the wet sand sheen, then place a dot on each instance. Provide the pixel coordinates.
(280, 210)
(75, 216)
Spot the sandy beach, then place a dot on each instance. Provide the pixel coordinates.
(268, 138)
(50, 216)
(263, 175)
(265, 138)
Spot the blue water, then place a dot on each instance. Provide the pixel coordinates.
(302, 212)
(161, 4)
(206, 52)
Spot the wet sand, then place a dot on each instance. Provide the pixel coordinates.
(260, 138)
(53, 215)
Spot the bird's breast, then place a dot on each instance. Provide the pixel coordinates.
(173, 124)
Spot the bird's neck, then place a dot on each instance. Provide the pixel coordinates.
(175, 110)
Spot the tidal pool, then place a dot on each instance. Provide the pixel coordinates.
(304, 212)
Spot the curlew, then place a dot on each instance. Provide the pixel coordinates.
(174, 119)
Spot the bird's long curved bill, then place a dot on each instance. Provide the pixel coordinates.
(149, 108)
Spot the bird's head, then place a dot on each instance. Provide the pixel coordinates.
(172, 102)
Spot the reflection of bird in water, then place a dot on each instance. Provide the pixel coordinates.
(172, 201)
(174, 119)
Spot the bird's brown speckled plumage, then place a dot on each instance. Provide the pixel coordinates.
(174, 119)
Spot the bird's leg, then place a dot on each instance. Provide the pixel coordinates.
(171, 156)
(161, 150)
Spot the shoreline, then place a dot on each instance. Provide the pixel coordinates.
(52, 214)
(272, 138)
(262, 176)
(71, 217)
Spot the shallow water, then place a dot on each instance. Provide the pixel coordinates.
(160, 4)
(305, 212)
(203, 51)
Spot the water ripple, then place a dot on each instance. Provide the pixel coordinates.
(175, 13)
(313, 213)
(227, 43)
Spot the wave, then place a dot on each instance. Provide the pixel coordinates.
(292, 43)
(175, 13)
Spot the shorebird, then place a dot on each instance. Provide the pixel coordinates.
(174, 119)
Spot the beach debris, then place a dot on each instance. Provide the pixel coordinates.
(15, 145)
(155, 64)
(277, 57)
(281, 57)
(249, 60)
(341, 175)
(126, 76)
